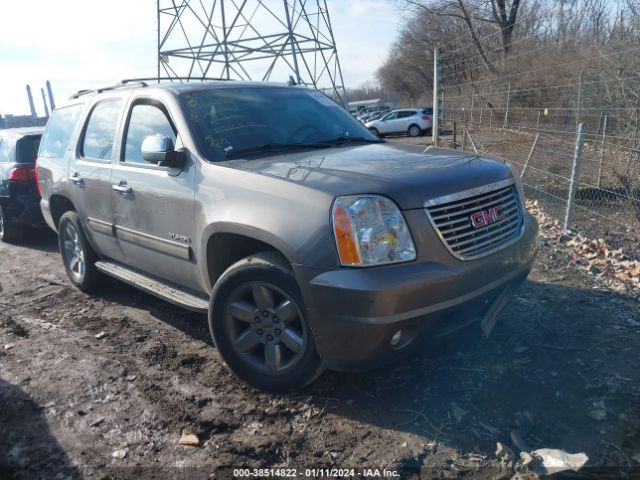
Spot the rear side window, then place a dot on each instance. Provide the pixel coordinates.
(4, 151)
(27, 149)
(57, 135)
(100, 132)
(145, 120)
(406, 114)
(428, 111)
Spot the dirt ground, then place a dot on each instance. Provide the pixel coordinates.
(103, 386)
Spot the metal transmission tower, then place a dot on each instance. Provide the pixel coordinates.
(249, 40)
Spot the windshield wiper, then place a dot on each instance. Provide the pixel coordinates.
(346, 138)
(274, 147)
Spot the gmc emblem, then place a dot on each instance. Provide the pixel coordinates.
(485, 217)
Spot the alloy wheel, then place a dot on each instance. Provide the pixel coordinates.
(414, 131)
(73, 252)
(266, 327)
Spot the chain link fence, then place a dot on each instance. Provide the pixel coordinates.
(577, 165)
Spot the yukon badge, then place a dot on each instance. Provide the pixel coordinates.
(179, 238)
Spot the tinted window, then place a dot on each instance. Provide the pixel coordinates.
(428, 111)
(27, 149)
(4, 151)
(101, 130)
(238, 118)
(406, 114)
(57, 135)
(145, 120)
(390, 116)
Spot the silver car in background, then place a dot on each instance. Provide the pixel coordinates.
(412, 121)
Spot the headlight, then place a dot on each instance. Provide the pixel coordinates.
(370, 230)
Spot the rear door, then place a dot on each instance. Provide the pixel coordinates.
(90, 174)
(153, 206)
(405, 119)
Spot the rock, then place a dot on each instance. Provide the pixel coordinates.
(554, 461)
(598, 414)
(131, 378)
(189, 440)
(101, 335)
(9, 346)
(404, 445)
(502, 451)
(97, 422)
(120, 454)
(525, 458)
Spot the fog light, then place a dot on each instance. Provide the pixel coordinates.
(395, 340)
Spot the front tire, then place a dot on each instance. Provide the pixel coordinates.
(9, 232)
(259, 323)
(77, 255)
(375, 132)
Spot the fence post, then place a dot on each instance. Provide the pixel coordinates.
(538, 122)
(533, 147)
(491, 120)
(464, 137)
(575, 173)
(466, 131)
(455, 134)
(579, 99)
(472, 102)
(604, 132)
(480, 121)
(435, 134)
(506, 113)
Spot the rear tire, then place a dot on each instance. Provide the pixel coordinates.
(77, 255)
(259, 323)
(9, 232)
(414, 130)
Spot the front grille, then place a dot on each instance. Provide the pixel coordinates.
(498, 216)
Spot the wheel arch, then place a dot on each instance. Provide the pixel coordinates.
(224, 244)
(59, 205)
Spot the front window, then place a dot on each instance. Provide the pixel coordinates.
(233, 121)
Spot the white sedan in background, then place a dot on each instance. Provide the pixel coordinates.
(412, 121)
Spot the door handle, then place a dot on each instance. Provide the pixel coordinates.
(122, 188)
(76, 179)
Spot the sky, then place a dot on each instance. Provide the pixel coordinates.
(79, 44)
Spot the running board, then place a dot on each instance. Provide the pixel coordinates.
(155, 287)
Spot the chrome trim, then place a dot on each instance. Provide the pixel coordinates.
(100, 226)
(472, 193)
(469, 193)
(168, 247)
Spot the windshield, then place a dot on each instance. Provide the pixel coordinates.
(259, 119)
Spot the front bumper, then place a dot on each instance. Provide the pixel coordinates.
(354, 313)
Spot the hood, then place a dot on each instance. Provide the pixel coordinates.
(408, 174)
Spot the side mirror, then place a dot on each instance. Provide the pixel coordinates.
(159, 150)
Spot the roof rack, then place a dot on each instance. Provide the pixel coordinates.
(142, 82)
(122, 84)
(159, 79)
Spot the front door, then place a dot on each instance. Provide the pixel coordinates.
(388, 122)
(153, 207)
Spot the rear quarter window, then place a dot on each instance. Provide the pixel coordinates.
(4, 151)
(27, 149)
(57, 135)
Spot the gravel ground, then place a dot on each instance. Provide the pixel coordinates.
(103, 387)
